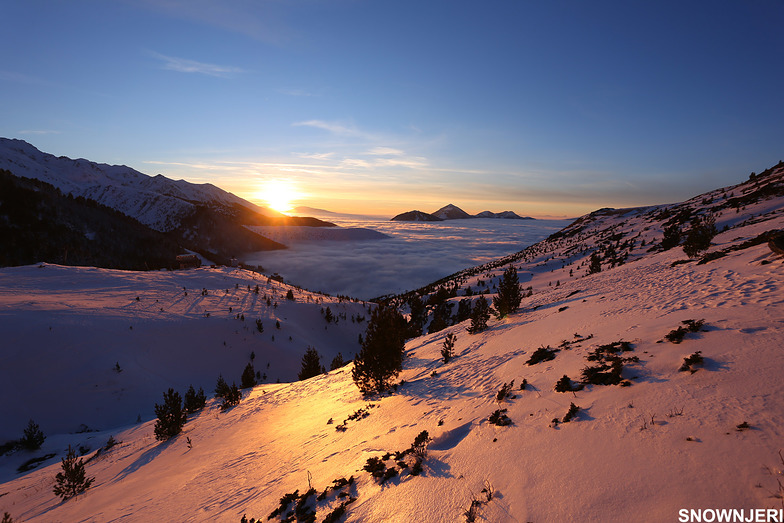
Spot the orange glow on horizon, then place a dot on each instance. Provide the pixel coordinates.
(279, 195)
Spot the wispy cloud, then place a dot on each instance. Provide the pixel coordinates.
(184, 65)
(385, 151)
(250, 18)
(316, 156)
(333, 127)
(296, 92)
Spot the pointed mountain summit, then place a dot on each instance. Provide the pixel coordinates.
(451, 212)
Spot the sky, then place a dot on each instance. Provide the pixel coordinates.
(379, 107)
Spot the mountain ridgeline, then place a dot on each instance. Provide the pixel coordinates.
(67, 211)
(453, 212)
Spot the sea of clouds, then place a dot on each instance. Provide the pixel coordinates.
(413, 255)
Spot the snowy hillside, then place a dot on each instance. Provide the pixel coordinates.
(662, 440)
(71, 326)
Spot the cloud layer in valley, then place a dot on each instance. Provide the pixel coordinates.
(415, 254)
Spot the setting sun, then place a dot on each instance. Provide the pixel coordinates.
(279, 194)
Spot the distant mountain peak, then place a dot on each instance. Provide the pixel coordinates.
(416, 216)
(451, 212)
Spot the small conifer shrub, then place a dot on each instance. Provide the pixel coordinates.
(376, 467)
(505, 392)
(690, 361)
(541, 354)
(447, 350)
(571, 413)
(565, 385)
(500, 418)
(419, 447)
(73, 479)
(676, 335)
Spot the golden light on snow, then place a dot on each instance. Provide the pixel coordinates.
(279, 194)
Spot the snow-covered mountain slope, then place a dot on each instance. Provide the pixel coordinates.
(65, 328)
(670, 440)
(156, 201)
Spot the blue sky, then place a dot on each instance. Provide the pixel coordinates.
(544, 108)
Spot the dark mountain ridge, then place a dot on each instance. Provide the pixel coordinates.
(453, 212)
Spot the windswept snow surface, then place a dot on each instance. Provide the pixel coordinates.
(667, 442)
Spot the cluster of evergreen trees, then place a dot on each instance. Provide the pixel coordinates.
(173, 412)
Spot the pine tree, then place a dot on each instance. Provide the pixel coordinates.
(448, 347)
(290, 295)
(194, 401)
(699, 237)
(311, 364)
(416, 320)
(480, 314)
(72, 480)
(337, 362)
(248, 378)
(381, 356)
(232, 397)
(671, 237)
(441, 317)
(171, 416)
(509, 295)
(463, 310)
(595, 265)
(221, 388)
(33, 437)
